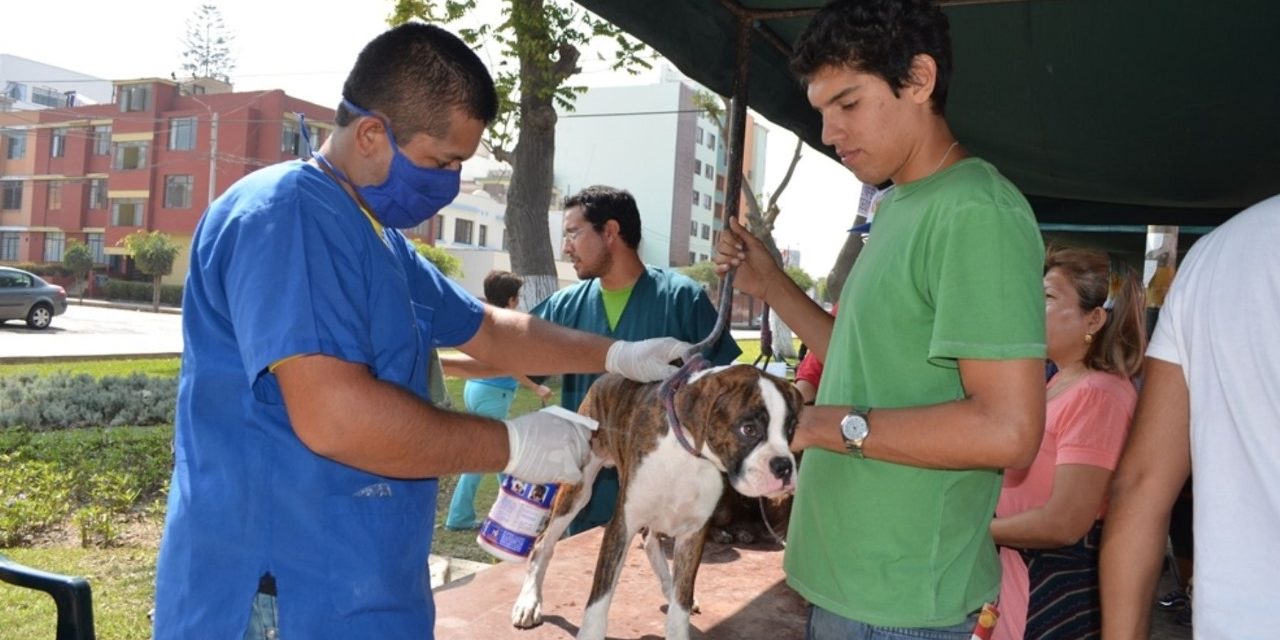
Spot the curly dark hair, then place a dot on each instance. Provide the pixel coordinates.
(601, 204)
(415, 74)
(880, 37)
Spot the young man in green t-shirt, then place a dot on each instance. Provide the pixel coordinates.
(934, 377)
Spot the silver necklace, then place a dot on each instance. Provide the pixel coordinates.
(944, 157)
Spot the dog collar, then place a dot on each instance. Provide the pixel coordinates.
(667, 392)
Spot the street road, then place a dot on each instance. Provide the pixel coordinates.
(94, 331)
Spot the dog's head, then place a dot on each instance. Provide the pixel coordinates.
(746, 418)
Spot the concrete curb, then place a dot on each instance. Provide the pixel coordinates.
(128, 306)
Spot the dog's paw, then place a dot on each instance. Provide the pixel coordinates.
(720, 536)
(696, 607)
(744, 536)
(526, 614)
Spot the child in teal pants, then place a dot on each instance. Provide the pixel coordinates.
(491, 398)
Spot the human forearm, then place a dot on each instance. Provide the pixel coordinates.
(1133, 543)
(954, 435)
(1071, 510)
(515, 342)
(998, 424)
(1155, 465)
(461, 365)
(341, 412)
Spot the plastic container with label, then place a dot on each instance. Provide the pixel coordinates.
(518, 515)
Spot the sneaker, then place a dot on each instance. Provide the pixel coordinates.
(1175, 600)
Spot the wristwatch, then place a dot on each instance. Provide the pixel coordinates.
(854, 428)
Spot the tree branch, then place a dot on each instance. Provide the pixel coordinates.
(786, 179)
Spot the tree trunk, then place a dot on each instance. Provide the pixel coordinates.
(529, 195)
(844, 263)
(155, 293)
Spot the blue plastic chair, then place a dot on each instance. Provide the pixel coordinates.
(71, 594)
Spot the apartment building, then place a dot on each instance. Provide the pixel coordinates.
(28, 85)
(655, 142)
(150, 159)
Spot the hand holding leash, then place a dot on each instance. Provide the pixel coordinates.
(646, 360)
(546, 448)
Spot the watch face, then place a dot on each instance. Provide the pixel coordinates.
(853, 427)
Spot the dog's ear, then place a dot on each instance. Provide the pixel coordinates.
(795, 401)
(688, 401)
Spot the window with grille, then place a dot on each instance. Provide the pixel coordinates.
(130, 155)
(127, 212)
(15, 144)
(11, 194)
(94, 241)
(97, 193)
(102, 140)
(54, 243)
(9, 246)
(177, 192)
(58, 144)
(462, 231)
(182, 134)
(135, 98)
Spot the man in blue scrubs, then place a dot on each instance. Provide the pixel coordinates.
(622, 298)
(304, 490)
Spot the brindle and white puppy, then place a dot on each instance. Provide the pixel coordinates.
(738, 418)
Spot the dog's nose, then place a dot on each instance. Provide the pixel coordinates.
(781, 468)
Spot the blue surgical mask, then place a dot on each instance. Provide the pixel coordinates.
(411, 194)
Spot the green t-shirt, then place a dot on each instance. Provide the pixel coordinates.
(614, 302)
(952, 270)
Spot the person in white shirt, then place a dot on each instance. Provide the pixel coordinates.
(1210, 403)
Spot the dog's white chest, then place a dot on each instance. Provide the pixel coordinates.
(672, 491)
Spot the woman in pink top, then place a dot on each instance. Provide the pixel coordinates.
(1049, 518)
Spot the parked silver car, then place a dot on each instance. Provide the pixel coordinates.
(25, 296)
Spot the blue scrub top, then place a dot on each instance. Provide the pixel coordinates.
(284, 263)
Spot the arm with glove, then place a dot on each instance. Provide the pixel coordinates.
(381, 428)
(512, 342)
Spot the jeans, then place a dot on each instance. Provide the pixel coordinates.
(491, 402)
(264, 621)
(824, 625)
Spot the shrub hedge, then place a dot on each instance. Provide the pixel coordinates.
(74, 401)
(170, 294)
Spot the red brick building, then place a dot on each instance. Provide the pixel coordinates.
(152, 160)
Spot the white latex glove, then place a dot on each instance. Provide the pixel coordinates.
(646, 360)
(546, 448)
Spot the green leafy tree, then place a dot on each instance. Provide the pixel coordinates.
(704, 273)
(539, 41)
(78, 259)
(448, 264)
(207, 45)
(153, 253)
(800, 277)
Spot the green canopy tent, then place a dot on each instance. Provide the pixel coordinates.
(1108, 114)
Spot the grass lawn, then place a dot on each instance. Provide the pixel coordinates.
(122, 577)
(160, 367)
(122, 591)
